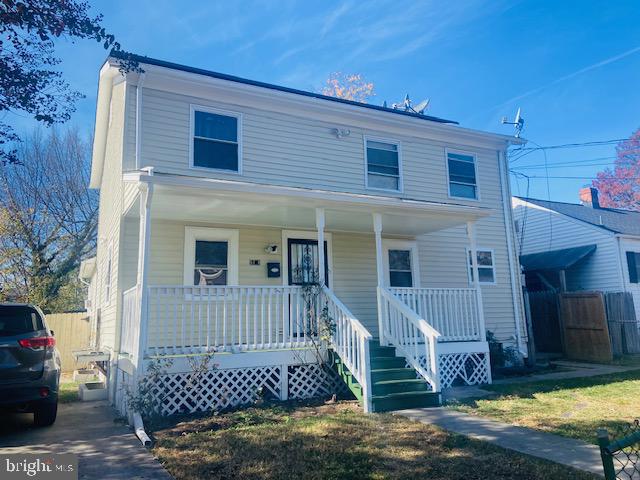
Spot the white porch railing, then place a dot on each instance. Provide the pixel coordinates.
(130, 333)
(351, 342)
(184, 319)
(411, 335)
(454, 312)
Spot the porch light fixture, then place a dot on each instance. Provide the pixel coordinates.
(341, 132)
(272, 249)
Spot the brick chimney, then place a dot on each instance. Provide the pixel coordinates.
(589, 197)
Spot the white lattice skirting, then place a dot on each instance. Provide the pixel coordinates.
(223, 388)
(466, 368)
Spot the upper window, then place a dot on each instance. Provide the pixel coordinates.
(216, 140)
(486, 268)
(633, 263)
(383, 165)
(462, 175)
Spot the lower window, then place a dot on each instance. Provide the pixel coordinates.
(486, 268)
(210, 256)
(400, 273)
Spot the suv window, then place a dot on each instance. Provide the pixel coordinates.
(19, 319)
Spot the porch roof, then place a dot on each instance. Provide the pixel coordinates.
(179, 197)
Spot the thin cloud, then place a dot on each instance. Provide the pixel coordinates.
(569, 76)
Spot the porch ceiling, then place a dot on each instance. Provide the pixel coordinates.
(242, 203)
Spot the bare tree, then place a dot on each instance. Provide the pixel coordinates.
(48, 220)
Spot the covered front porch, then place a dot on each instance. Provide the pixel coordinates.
(228, 267)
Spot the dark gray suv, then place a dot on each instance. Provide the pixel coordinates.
(29, 363)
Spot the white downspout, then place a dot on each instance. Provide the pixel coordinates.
(514, 276)
(139, 120)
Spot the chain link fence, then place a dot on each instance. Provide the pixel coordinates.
(620, 452)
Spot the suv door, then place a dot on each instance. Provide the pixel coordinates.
(24, 340)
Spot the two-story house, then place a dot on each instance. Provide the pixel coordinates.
(216, 193)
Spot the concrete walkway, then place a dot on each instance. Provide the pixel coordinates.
(555, 448)
(106, 450)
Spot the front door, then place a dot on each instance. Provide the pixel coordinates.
(303, 262)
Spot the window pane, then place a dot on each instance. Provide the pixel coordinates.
(400, 279)
(382, 146)
(211, 263)
(384, 170)
(400, 260)
(385, 158)
(212, 154)
(465, 191)
(462, 172)
(211, 254)
(18, 319)
(210, 276)
(484, 258)
(485, 274)
(461, 157)
(379, 181)
(218, 127)
(633, 264)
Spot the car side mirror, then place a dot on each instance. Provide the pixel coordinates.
(52, 334)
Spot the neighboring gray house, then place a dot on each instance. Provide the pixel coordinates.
(579, 246)
(215, 194)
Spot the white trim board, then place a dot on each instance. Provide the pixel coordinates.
(191, 234)
(393, 244)
(304, 235)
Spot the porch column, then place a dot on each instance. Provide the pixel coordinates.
(321, 260)
(377, 230)
(471, 233)
(144, 236)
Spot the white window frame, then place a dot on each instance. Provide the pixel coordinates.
(470, 267)
(447, 151)
(412, 246)
(108, 285)
(208, 234)
(192, 128)
(397, 143)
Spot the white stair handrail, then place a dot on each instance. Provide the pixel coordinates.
(350, 340)
(411, 335)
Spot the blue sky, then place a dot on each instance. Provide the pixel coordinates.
(572, 66)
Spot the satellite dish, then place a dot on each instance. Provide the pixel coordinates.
(518, 123)
(422, 106)
(518, 117)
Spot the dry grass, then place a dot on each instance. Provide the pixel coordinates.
(573, 408)
(335, 442)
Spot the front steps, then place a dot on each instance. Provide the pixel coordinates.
(393, 385)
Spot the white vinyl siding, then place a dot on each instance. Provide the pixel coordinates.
(542, 230)
(288, 150)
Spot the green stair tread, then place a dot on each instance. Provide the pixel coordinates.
(416, 381)
(402, 395)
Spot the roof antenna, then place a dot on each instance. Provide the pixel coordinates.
(408, 107)
(518, 123)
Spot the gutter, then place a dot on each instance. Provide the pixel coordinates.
(138, 425)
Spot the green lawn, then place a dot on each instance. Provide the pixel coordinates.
(335, 441)
(68, 391)
(574, 408)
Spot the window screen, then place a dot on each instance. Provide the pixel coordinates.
(383, 168)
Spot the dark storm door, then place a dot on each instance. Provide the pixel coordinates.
(303, 262)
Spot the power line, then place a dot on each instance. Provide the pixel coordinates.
(579, 178)
(594, 143)
(573, 162)
(537, 167)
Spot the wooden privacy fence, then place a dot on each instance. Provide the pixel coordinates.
(623, 325)
(590, 326)
(72, 333)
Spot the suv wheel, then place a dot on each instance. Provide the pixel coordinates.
(45, 414)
